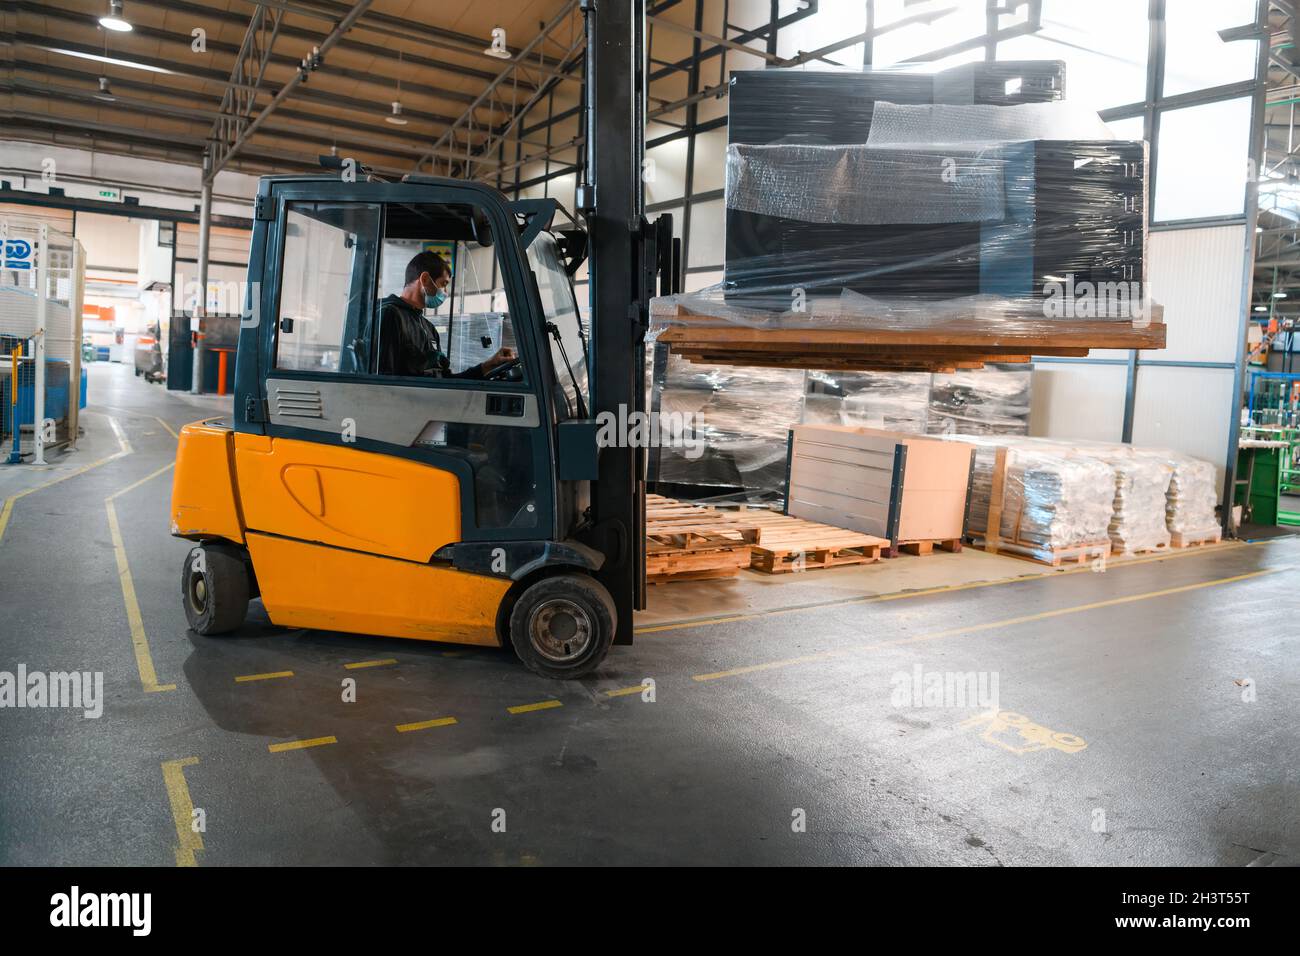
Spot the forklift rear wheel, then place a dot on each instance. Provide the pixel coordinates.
(214, 587)
(562, 626)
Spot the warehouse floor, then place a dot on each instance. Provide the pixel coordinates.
(1120, 736)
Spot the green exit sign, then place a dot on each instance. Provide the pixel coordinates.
(109, 194)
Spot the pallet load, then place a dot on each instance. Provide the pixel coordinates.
(786, 543)
(910, 489)
(1137, 522)
(685, 542)
(1040, 501)
(1193, 495)
(959, 231)
(1169, 499)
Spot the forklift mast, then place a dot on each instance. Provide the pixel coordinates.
(627, 256)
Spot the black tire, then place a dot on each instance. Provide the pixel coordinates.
(214, 588)
(562, 626)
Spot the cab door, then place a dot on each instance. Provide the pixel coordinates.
(332, 448)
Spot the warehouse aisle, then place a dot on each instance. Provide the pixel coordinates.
(1146, 714)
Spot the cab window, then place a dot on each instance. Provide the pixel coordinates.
(326, 286)
(473, 322)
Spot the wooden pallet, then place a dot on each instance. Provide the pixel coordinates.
(1179, 540)
(1149, 549)
(836, 341)
(685, 542)
(924, 547)
(1056, 557)
(787, 544)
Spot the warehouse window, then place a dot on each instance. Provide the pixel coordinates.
(1196, 58)
(326, 286)
(1103, 44)
(1199, 176)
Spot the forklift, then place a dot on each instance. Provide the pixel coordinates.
(472, 511)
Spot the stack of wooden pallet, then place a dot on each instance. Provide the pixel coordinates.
(685, 542)
(831, 340)
(785, 543)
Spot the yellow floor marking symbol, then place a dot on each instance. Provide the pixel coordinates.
(1019, 735)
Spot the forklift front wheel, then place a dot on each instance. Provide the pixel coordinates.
(214, 587)
(562, 626)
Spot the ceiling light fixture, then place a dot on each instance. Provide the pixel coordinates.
(498, 48)
(396, 117)
(109, 59)
(1279, 295)
(105, 91)
(114, 19)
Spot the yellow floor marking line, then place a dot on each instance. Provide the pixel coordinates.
(170, 431)
(139, 640)
(244, 678)
(188, 842)
(540, 705)
(301, 744)
(149, 477)
(358, 664)
(923, 592)
(425, 724)
(124, 449)
(624, 691)
(990, 625)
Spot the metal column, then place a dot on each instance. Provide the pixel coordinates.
(201, 304)
(38, 357)
(613, 202)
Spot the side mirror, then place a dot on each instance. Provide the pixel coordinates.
(482, 227)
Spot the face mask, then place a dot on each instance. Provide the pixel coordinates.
(436, 299)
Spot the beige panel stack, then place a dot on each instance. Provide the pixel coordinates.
(910, 489)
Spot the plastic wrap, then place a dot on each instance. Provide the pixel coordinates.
(890, 199)
(988, 401)
(1193, 496)
(745, 416)
(1052, 499)
(896, 401)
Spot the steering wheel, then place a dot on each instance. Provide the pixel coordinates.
(511, 371)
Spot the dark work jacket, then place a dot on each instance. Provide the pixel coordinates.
(409, 344)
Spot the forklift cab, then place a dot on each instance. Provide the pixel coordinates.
(448, 506)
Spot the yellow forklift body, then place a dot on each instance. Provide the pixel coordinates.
(203, 485)
(340, 539)
(312, 586)
(345, 497)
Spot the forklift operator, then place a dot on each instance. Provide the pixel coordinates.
(408, 343)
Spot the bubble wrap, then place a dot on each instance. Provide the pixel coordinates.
(894, 124)
(866, 186)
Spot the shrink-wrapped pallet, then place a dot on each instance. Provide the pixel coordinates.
(1141, 487)
(1050, 500)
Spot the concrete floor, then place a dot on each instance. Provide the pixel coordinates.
(1133, 745)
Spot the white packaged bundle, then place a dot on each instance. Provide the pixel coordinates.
(1052, 499)
(1193, 495)
(1137, 521)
